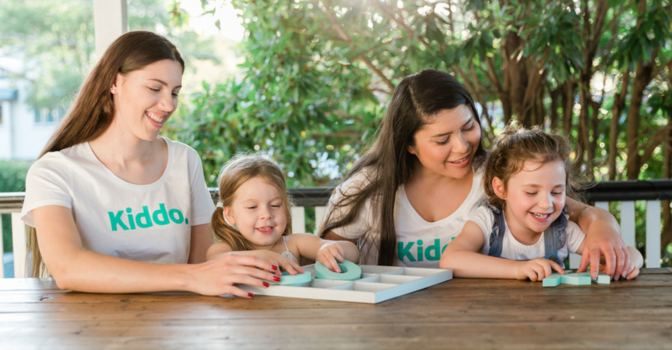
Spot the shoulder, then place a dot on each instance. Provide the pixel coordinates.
(356, 182)
(573, 229)
(216, 249)
(58, 163)
(180, 148)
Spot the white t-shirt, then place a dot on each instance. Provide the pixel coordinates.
(419, 243)
(514, 250)
(150, 223)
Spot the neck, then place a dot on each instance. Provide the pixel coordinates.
(422, 177)
(120, 147)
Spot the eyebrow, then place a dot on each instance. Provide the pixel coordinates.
(164, 83)
(538, 186)
(450, 132)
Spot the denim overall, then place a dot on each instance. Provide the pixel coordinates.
(554, 236)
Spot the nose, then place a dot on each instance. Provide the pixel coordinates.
(461, 144)
(265, 212)
(546, 201)
(167, 102)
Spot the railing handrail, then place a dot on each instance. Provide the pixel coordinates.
(603, 191)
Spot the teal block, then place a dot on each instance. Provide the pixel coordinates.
(553, 280)
(576, 280)
(601, 278)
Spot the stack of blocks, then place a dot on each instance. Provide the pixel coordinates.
(574, 279)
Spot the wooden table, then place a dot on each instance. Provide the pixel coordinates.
(461, 314)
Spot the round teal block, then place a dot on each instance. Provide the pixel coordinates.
(349, 272)
(292, 280)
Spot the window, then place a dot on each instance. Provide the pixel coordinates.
(0, 113)
(46, 116)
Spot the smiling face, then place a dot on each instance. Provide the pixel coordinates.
(446, 145)
(144, 99)
(259, 213)
(534, 197)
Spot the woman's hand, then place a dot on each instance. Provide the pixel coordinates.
(536, 269)
(276, 259)
(219, 276)
(330, 254)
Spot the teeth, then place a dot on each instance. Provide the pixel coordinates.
(460, 160)
(154, 117)
(541, 216)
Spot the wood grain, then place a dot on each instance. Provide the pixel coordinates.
(458, 314)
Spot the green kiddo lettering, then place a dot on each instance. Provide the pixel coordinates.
(430, 253)
(159, 217)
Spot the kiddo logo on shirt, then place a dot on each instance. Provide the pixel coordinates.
(430, 253)
(159, 217)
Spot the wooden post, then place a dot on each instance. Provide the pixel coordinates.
(110, 20)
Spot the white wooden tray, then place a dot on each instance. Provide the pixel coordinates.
(378, 283)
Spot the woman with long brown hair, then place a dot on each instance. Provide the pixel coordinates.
(412, 192)
(114, 207)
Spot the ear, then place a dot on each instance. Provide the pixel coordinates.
(116, 83)
(411, 149)
(499, 188)
(228, 215)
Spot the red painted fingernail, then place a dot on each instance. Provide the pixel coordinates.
(266, 284)
(274, 267)
(250, 295)
(276, 278)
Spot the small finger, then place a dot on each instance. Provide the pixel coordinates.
(583, 265)
(626, 261)
(620, 268)
(634, 273)
(555, 266)
(609, 258)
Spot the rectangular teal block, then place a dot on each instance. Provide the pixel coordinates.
(553, 280)
(576, 280)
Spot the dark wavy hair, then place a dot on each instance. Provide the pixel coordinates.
(416, 100)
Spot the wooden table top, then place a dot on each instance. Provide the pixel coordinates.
(460, 314)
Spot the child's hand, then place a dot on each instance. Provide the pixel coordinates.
(537, 269)
(277, 259)
(330, 254)
(631, 270)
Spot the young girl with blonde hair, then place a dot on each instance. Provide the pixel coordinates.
(253, 218)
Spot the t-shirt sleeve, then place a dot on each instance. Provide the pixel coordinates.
(47, 183)
(484, 218)
(574, 236)
(201, 201)
(363, 222)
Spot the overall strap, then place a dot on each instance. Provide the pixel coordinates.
(555, 236)
(497, 234)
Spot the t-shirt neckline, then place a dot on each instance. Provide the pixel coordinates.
(456, 213)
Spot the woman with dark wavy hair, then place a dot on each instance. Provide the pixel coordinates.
(412, 192)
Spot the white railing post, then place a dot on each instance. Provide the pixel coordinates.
(2, 250)
(320, 212)
(628, 223)
(298, 220)
(19, 245)
(652, 233)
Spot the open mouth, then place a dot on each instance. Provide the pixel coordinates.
(159, 119)
(265, 230)
(541, 215)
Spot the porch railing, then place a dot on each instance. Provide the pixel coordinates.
(625, 193)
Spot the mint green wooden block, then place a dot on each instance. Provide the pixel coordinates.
(553, 280)
(576, 280)
(601, 278)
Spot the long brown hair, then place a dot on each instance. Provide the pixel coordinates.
(514, 146)
(388, 163)
(235, 173)
(92, 112)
